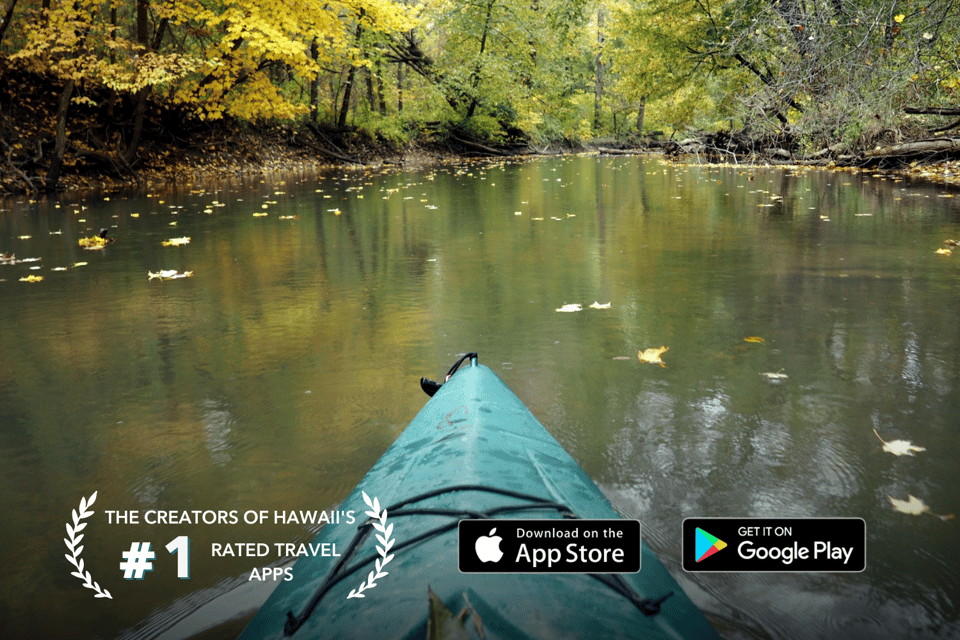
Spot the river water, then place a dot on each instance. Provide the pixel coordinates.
(274, 377)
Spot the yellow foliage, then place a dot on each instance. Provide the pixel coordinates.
(243, 40)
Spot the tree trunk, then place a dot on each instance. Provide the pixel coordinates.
(53, 174)
(475, 78)
(381, 101)
(140, 110)
(598, 85)
(400, 88)
(315, 83)
(347, 90)
(641, 111)
(370, 99)
(7, 19)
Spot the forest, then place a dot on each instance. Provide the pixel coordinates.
(93, 84)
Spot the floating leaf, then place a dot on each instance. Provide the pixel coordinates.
(176, 242)
(93, 243)
(775, 377)
(898, 447)
(754, 339)
(652, 355)
(597, 305)
(944, 252)
(567, 308)
(915, 506)
(952, 243)
(168, 274)
(31, 279)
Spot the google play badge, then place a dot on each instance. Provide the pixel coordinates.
(707, 545)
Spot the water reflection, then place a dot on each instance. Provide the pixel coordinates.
(278, 374)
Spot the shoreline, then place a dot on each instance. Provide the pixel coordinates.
(254, 154)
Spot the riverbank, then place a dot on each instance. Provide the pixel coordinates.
(228, 151)
(103, 148)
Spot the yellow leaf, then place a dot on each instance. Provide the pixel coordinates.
(652, 355)
(176, 242)
(915, 506)
(568, 308)
(597, 305)
(31, 279)
(899, 18)
(944, 252)
(754, 339)
(898, 447)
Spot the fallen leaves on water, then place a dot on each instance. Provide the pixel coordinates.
(11, 258)
(754, 339)
(176, 242)
(168, 274)
(944, 252)
(652, 355)
(31, 279)
(898, 447)
(94, 243)
(597, 305)
(952, 243)
(915, 506)
(259, 215)
(568, 308)
(774, 376)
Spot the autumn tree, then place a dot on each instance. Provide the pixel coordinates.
(236, 58)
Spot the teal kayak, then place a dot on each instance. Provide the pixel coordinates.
(473, 452)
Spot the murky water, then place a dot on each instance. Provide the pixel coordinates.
(275, 376)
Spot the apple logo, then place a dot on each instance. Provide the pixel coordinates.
(488, 547)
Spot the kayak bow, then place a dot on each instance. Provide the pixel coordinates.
(473, 451)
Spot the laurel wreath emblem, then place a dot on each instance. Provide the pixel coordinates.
(384, 538)
(73, 539)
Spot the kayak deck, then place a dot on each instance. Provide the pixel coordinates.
(473, 451)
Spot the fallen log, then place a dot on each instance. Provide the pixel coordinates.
(618, 152)
(323, 139)
(933, 111)
(918, 147)
(480, 147)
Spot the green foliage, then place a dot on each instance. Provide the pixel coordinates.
(838, 71)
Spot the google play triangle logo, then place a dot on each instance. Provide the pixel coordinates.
(707, 545)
